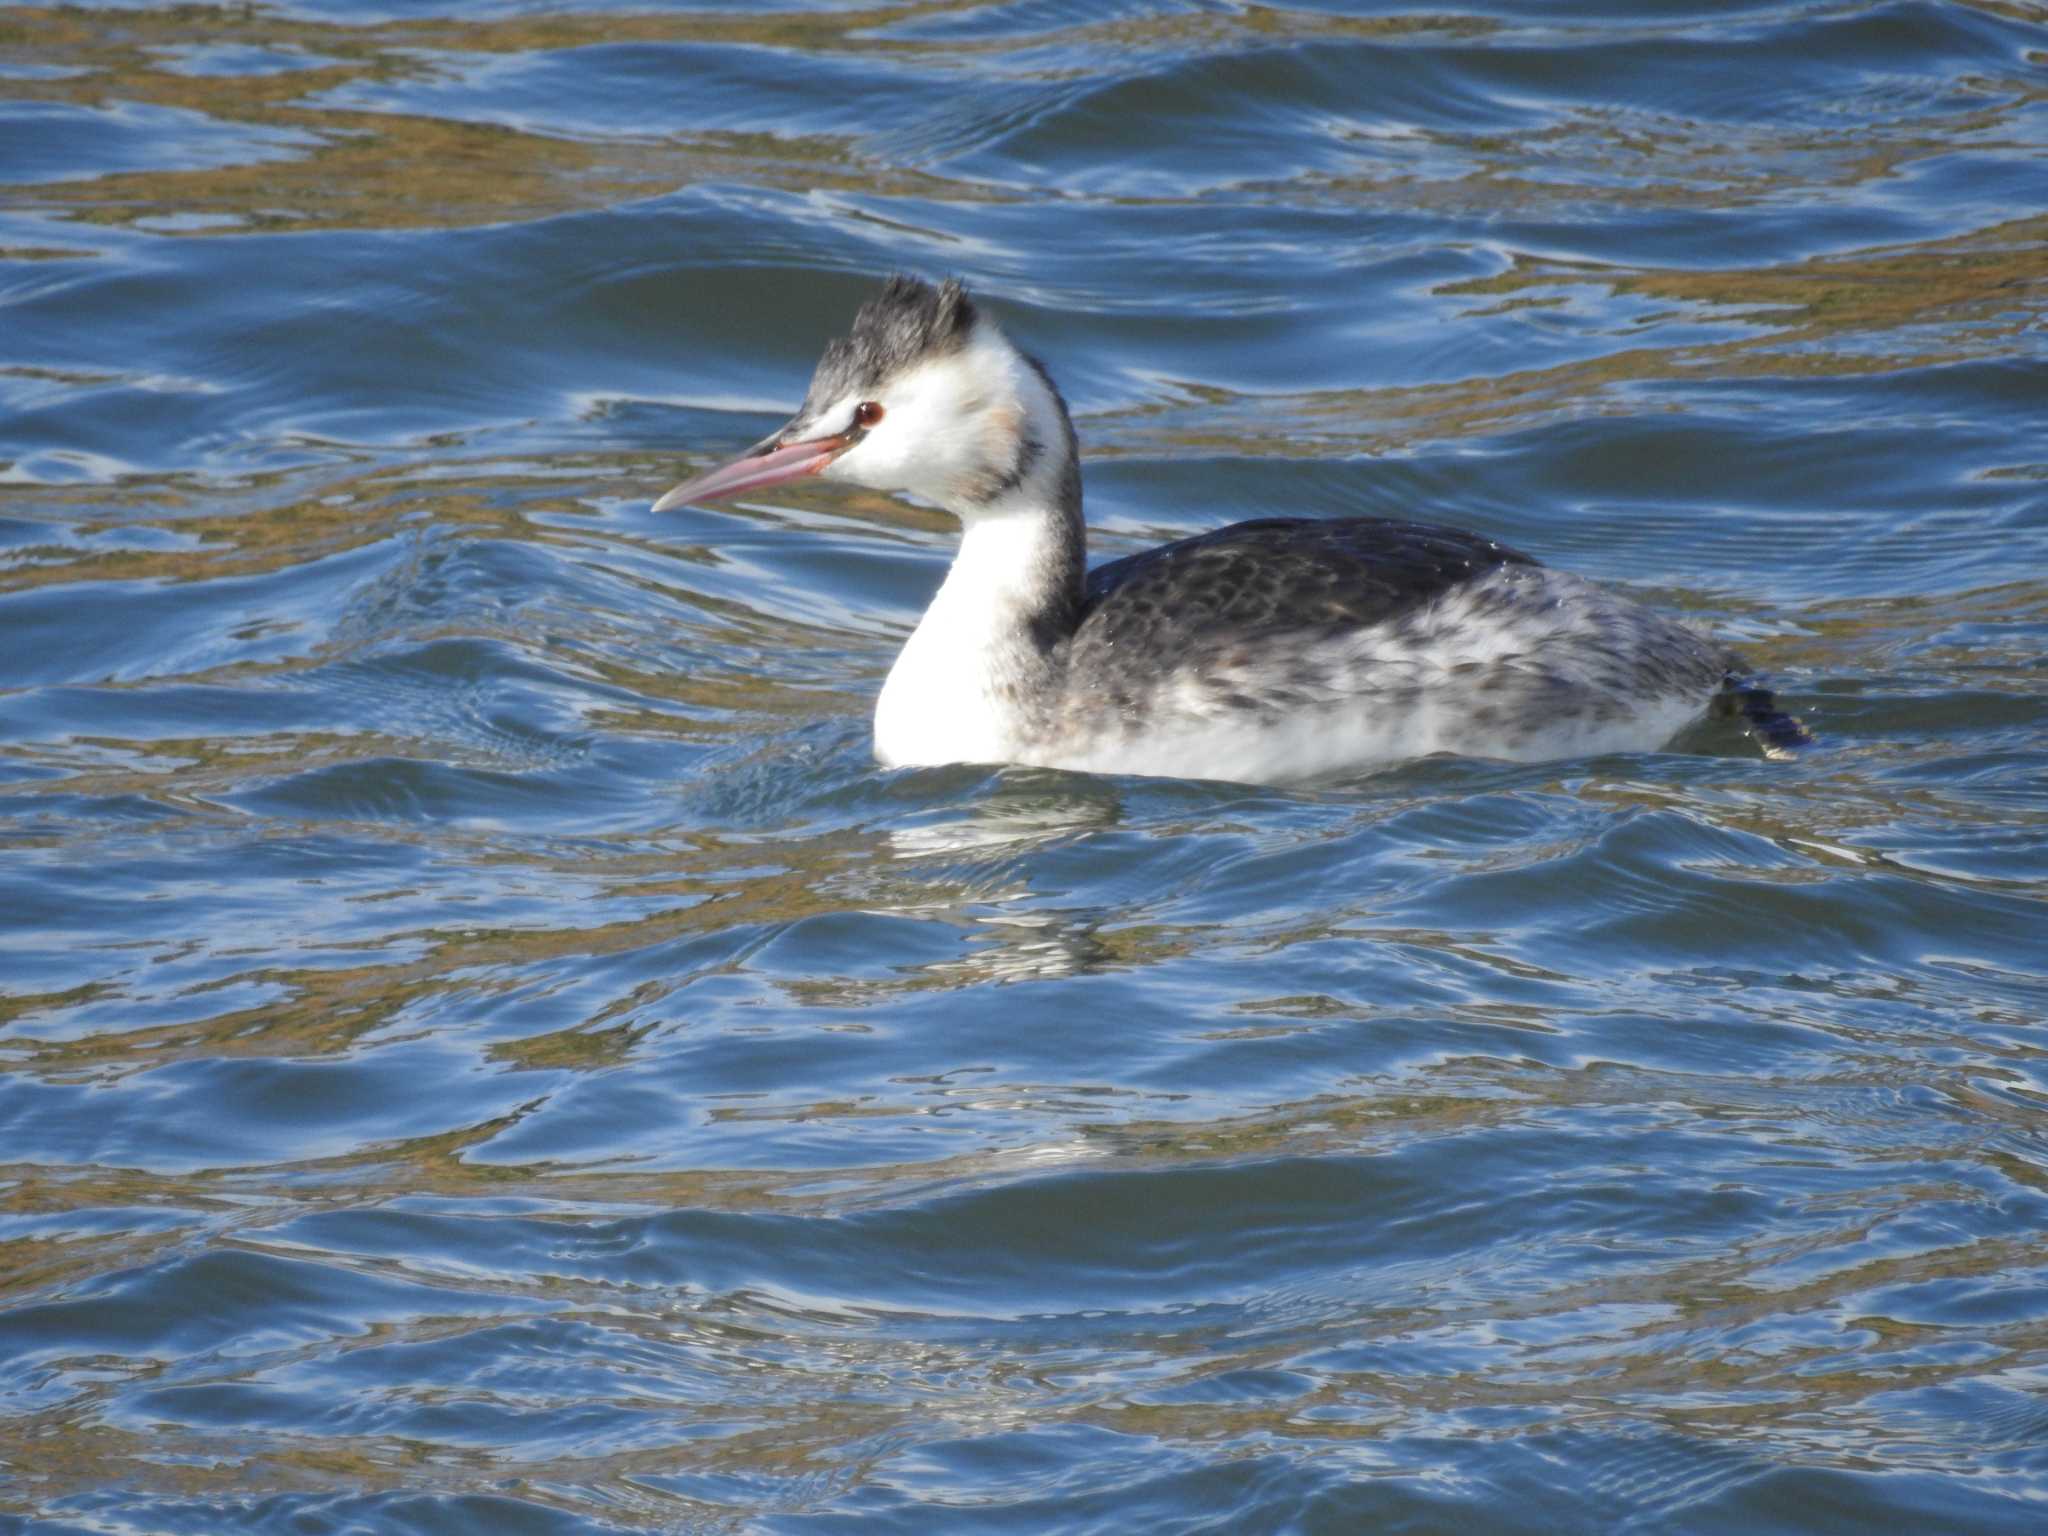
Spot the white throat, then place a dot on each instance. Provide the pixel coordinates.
(968, 681)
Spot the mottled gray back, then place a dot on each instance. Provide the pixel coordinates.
(907, 322)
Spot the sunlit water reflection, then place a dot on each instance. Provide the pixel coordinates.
(484, 1047)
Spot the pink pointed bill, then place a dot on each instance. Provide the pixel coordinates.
(789, 462)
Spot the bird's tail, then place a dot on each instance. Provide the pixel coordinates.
(1781, 735)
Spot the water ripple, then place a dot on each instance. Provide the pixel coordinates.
(481, 1045)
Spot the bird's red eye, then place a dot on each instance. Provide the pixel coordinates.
(867, 413)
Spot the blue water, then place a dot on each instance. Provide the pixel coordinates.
(486, 1050)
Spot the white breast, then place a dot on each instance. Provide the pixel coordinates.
(951, 697)
(936, 706)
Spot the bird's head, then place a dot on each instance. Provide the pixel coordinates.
(925, 395)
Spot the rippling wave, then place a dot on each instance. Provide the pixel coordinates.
(481, 1045)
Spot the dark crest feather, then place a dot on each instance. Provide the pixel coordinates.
(908, 321)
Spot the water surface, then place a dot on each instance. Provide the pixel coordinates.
(484, 1047)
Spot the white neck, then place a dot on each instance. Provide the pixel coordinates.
(970, 681)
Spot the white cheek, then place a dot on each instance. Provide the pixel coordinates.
(874, 462)
(945, 423)
(920, 445)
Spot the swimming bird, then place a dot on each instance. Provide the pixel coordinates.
(1269, 651)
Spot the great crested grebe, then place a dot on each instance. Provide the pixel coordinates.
(1274, 650)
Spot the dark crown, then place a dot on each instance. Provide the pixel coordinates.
(908, 321)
